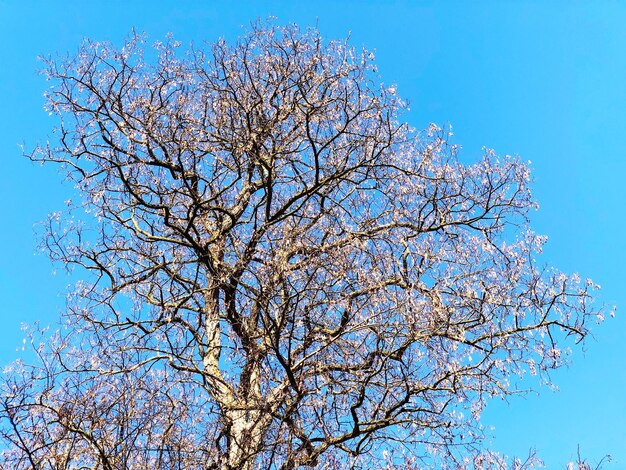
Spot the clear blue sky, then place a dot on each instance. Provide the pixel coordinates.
(547, 82)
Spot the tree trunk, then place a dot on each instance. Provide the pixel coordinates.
(245, 434)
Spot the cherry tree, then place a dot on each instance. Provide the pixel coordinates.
(277, 271)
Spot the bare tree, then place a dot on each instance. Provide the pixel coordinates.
(283, 274)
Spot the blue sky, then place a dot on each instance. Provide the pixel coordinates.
(547, 82)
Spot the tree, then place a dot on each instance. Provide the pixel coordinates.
(278, 272)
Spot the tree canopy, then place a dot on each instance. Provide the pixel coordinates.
(278, 271)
